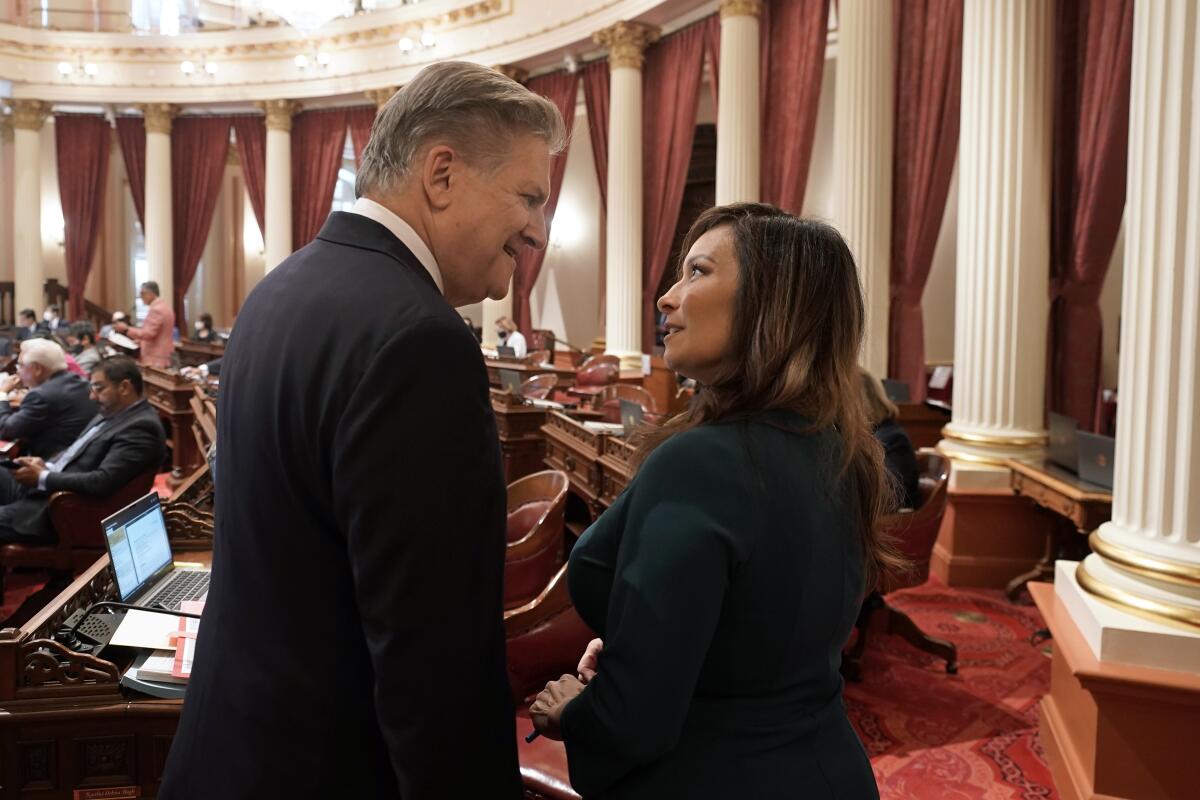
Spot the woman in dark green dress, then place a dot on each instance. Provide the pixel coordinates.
(727, 577)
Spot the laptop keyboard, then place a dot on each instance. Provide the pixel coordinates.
(182, 585)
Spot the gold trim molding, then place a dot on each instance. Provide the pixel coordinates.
(1158, 611)
(279, 113)
(1161, 569)
(741, 8)
(511, 72)
(626, 43)
(971, 458)
(1015, 442)
(29, 115)
(158, 116)
(380, 96)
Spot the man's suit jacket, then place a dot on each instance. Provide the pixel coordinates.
(50, 416)
(155, 337)
(129, 444)
(352, 643)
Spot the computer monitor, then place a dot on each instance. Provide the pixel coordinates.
(1063, 450)
(138, 547)
(510, 381)
(504, 351)
(897, 391)
(632, 415)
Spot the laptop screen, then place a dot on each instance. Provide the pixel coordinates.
(137, 544)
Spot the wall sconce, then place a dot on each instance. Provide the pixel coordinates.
(426, 41)
(319, 59)
(203, 67)
(79, 69)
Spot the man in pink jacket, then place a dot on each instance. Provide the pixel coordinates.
(155, 335)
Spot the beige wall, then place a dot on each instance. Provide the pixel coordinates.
(1110, 311)
(818, 194)
(566, 296)
(937, 304)
(7, 179)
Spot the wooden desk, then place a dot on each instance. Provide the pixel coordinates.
(575, 450)
(522, 445)
(193, 354)
(566, 375)
(922, 423)
(65, 721)
(616, 468)
(171, 393)
(1080, 507)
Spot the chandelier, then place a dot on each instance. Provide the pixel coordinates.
(307, 16)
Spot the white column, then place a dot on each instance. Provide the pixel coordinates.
(28, 273)
(160, 255)
(1001, 304)
(1148, 556)
(738, 114)
(862, 159)
(626, 43)
(7, 179)
(277, 212)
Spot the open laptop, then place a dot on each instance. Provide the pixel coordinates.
(504, 351)
(1096, 456)
(1063, 450)
(897, 391)
(632, 416)
(510, 381)
(136, 537)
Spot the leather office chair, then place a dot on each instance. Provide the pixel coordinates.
(542, 339)
(76, 519)
(594, 374)
(534, 534)
(545, 638)
(609, 401)
(539, 387)
(914, 533)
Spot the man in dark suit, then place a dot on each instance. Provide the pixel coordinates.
(121, 442)
(56, 407)
(28, 325)
(352, 643)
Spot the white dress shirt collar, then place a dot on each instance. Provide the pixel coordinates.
(402, 231)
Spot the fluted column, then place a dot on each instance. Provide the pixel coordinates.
(6, 197)
(277, 238)
(862, 158)
(626, 43)
(738, 115)
(1148, 556)
(1001, 302)
(28, 273)
(159, 250)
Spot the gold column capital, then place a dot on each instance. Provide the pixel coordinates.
(279, 113)
(626, 43)
(158, 116)
(29, 115)
(381, 95)
(741, 8)
(512, 72)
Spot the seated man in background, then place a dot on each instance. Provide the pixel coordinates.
(156, 336)
(121, 442)
(56, 407)
(27, 324)
(83, 338)
(54, 321)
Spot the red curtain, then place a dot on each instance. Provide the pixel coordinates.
(793, 62)
(360, 119)
(199, 146)
(595, 97)
(251, 134)
(560, 88)
(82, 144)
(1093, 54)
(131, 133)
(318, 140)
(928, 47)
(671, 88)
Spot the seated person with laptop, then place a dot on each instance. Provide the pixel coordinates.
(56, 407)
(124, 440)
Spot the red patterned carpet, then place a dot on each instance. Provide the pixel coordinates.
(972, 735)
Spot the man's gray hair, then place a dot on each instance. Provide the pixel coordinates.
(45, 352)
(473, 109)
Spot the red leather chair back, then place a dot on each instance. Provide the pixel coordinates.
(535, 534)
(539, 386)
(545, 638)
(611, 397)
(915, 532)
(597, 373)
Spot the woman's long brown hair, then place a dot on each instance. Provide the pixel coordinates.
(797, 328)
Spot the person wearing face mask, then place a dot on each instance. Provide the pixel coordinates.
(508, 335)
(451, 188)
(52, 319)
(726, 578)
(204, 329)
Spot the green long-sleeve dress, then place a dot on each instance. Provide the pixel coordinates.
(724, 581)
